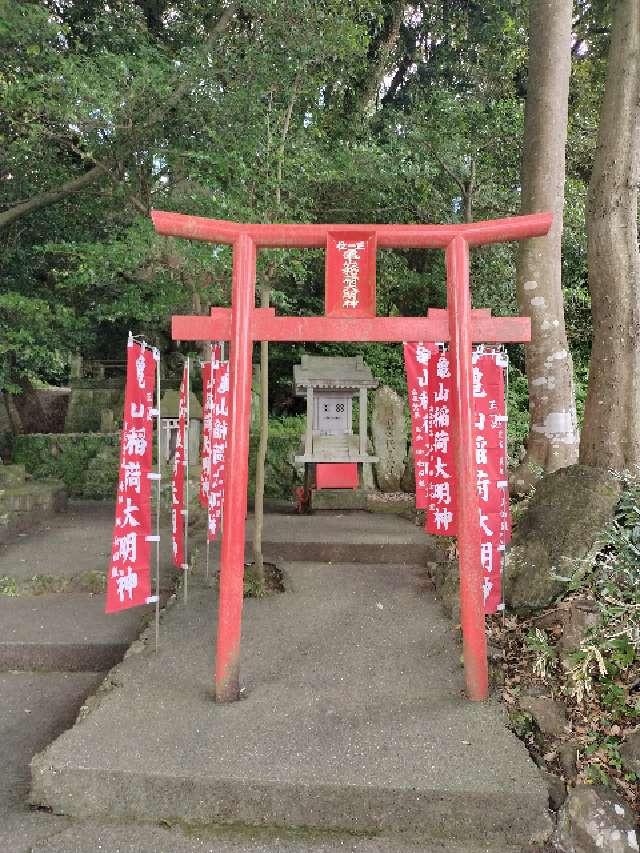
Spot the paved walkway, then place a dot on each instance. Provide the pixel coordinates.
(64, 546)
(352, 699)
(352, 720)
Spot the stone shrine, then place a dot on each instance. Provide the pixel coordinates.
(334, 457)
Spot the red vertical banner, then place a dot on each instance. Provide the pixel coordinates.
(416, 363)
(219, 430)
(350, 274)
(429, 388)
(441, 508)
(177, 478)
(208, 372)
(129, 576)
(492, 477)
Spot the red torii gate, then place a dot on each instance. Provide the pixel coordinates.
(243, 323)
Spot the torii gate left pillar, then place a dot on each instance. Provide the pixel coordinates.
(243, 324)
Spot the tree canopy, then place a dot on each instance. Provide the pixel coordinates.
(394, 112)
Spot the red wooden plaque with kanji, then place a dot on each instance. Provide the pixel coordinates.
(350, 274)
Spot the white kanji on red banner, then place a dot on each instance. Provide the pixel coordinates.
(208, 371)
(129, 577)
(219, 432)
(177, 478)
(416, 362)
(429, 385)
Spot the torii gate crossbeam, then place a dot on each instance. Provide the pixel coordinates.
(244, 323)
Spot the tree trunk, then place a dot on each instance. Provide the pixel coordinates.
(265, 295)
(611, 435)
(13, 414)
(553, 435)
(37, 202)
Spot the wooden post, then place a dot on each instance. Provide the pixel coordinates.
(308, 437)
(362, 419)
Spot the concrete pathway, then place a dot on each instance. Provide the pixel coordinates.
(326, 701)
(352, 721)
(64, 545)
(66, 630)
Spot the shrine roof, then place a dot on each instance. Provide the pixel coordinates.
(343, 373)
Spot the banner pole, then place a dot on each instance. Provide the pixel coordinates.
(185, 518)
(159, 449)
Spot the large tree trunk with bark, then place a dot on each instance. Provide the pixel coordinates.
(611, 435)
(553, 434)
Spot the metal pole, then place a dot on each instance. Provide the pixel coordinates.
(185, 518)
(474, 641)
(227, 676)
(159, 450)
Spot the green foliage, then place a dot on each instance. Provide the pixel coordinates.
(521, 724)
(281, 473)
(611, 650)
(86, 463)
(181, 118)
(8, 586)
(544, 653)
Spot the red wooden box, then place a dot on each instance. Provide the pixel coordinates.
(337, 475)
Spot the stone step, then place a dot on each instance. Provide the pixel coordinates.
(67, 632)
(147, 838)
(25, 504)
(338, 499)
(350, 537)
(352, 720)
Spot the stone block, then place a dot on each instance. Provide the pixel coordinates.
(550, 716)
(389, 433)
(338, 499)
(630, 752)
(593, 820)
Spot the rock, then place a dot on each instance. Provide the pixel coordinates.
(578, 619)
(560, 529)
(557, 789)
(593, 820)
(630, 752)
(389, 433)
(449, 590)
(408, 482)
(568, 758)
(549, 715)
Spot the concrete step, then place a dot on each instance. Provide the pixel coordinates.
(353, 721)
(350, 537)
(148, 838)
(24, 505)
(66, 632)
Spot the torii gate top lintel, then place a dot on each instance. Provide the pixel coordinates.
(314, 236)
(243, 324)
